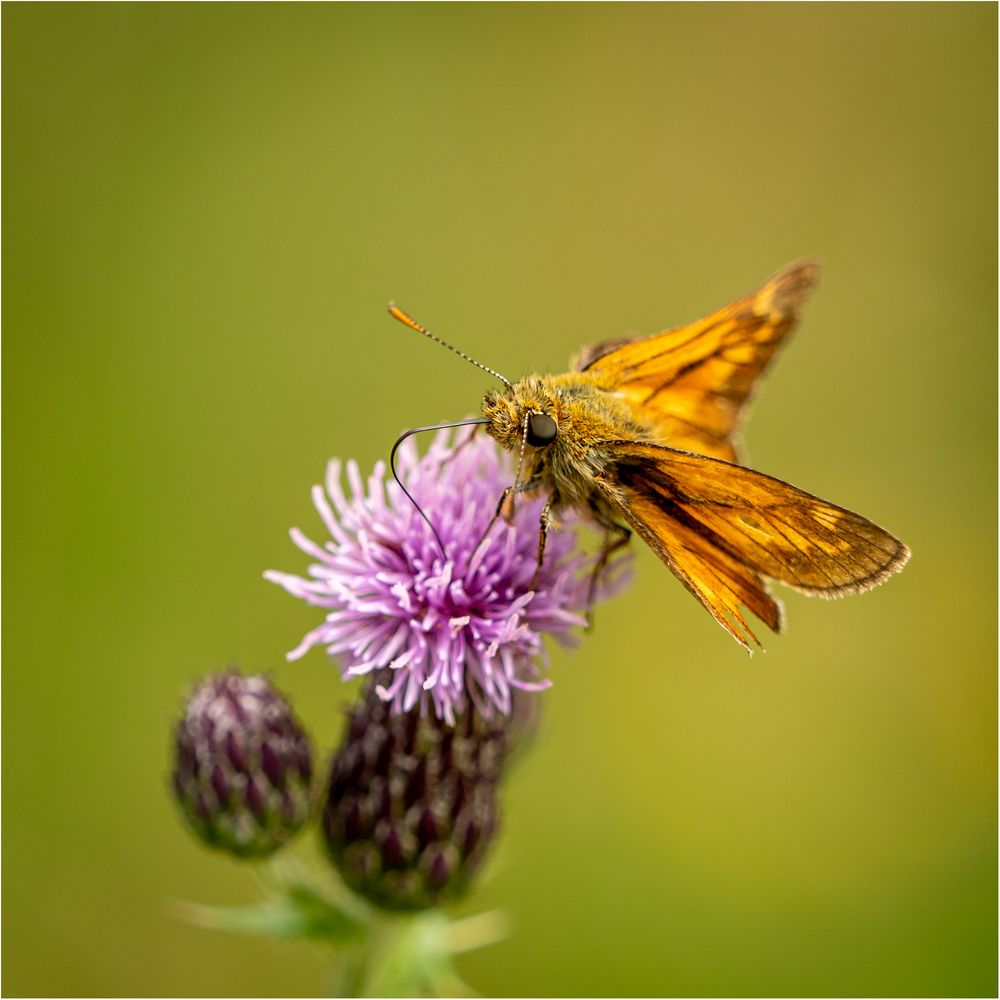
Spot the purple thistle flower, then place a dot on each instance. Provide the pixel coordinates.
(466, 625)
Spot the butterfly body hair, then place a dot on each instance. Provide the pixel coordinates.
(585, 414)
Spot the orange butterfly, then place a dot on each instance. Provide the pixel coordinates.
(640, 436)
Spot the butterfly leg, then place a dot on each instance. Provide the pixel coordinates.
(505, 507)
(616, 536)
(543, 533)
(505, 499)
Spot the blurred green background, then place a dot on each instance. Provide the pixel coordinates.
(207, 208)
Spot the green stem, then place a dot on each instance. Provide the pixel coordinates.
(404, 955)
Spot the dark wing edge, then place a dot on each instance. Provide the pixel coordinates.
(588, 356)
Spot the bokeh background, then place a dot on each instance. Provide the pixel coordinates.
(207, 208)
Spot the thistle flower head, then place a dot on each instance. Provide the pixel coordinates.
(242, 766)
(464, 624)
(412, 806)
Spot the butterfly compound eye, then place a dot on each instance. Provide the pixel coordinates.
(541, 429)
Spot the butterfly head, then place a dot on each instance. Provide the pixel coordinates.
(526, 413)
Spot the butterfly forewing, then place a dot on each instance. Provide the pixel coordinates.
(690, 384)
(722, 529)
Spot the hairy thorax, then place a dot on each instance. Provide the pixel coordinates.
(585, 414)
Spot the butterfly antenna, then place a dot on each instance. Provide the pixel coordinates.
(409, 321)
(392, 465)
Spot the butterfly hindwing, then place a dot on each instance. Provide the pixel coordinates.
(692, 383)
(723, 530)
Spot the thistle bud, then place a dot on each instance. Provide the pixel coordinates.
(243, 766)
(411, 807)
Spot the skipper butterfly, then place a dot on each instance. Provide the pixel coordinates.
(641, 436)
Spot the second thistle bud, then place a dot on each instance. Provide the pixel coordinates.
(412, 806)
(243, 766)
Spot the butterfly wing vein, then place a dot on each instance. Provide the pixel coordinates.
(725, 530)
(692, 383)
